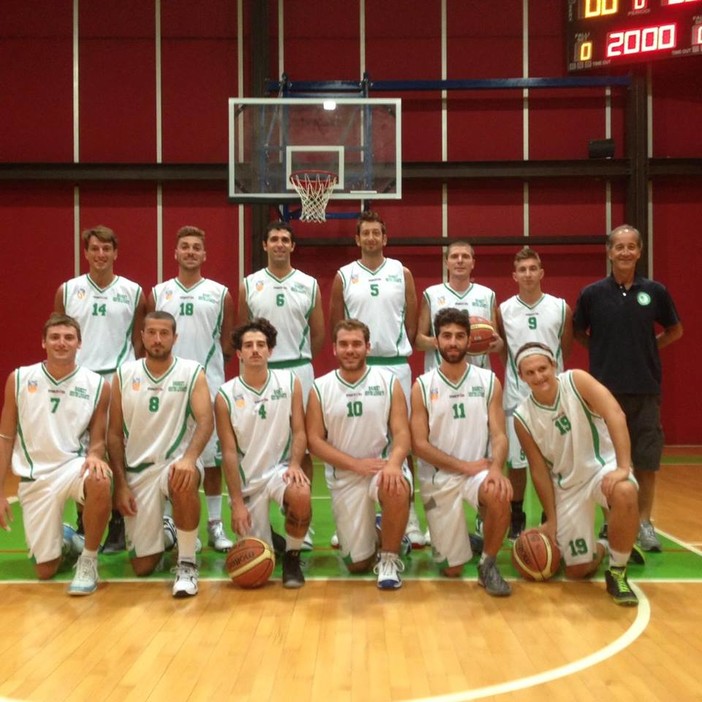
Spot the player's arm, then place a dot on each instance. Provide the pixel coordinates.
(391, 476)
(183, 473)
(320, 447)
(567, 336)
(581, 323)
(97, 433)
(498, 445)
(669, 335)
(139, 315)
(316, 323)
(419, 427)
(241, 519)
(59, 307)
(123, 497)
(423, 341)
(294, 473)
(539, 475)
(243, 311)
(225, 338)
(8, 430)
(336, 303)
(497, 345)
(151, 302)
(410, 305)
(601, 401)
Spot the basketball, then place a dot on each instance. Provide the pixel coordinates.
(250, 562)
(481, 333)
(535, 556)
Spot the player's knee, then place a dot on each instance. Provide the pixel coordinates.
(363, 566)
(624, 495)
(47, 570)
(98, 489)
(297, 519)
(143, 566)
(452, 571)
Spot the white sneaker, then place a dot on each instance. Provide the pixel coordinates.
(388, 569)
(185, 584)
(334, 541)
(308, 543)
(427, 538)
(86, 578)
(217, 538)
(414, 531)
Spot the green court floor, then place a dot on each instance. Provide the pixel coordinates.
(678, 561)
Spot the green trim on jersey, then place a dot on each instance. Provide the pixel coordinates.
(161, 378)
(352, 386)
(53, 380)
(386, 360)
(188, 414)
(252, 389)
(589, 414)
(20, 433)
(282, 365)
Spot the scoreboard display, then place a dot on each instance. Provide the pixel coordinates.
(607, 33)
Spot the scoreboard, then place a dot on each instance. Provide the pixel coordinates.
(606, 33)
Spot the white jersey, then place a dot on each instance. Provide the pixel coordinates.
(158, 423)
(287, 304)
(573, 440)
(261, 420)
(52, 418)
(544, 321)
(377, 298)
(477, 300)
(199, 312)
(106, 318)
(458, 415)
(356, 416)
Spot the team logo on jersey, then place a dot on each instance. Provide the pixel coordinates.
(168, 295)
(354, 278)
(136, 383)
(239, 402)
(121, 297)
(259, 285)
(644, 299)
(81, 393)
(81, 293)
(394, 278)
(374, 391)
(279, 394)
(32, 386)
(297, 288)
(433, 394)
(441, 301)
(477, 391)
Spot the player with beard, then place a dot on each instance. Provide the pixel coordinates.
(357, 424)
(160, 421)
(458, 435)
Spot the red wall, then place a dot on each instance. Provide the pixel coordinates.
(199, 54)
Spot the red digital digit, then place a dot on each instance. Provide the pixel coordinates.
(666, 36)
(615, 42)
(649, 39)
(632, 41)
(697, 35)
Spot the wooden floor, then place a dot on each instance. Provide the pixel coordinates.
(346, 641)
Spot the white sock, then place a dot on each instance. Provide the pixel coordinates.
(92, 555)
(214, 507)
(618, 559)
(186, 545)
(292, 543)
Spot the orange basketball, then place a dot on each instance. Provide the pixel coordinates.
(250, 562)
(535, 556)
(481, 333)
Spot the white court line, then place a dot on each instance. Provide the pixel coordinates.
(643, 616)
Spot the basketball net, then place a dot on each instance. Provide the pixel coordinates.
(315, 189)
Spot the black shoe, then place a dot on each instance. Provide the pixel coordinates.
(115, 541)
(618, 587)
(636, 557)
(603, 532)
(476, 544)
(278, 543)
(292, 572)
(517, 525)
(80, 529)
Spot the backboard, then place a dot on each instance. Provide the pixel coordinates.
(357, 139)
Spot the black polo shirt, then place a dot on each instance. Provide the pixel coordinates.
(623, 351)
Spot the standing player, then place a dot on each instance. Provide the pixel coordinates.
(463, 294)
(380, 292)
(110, 311)
(574, 435)
(160, 422)
(204, 311)
(458, 433)
(357, 424)
(261, 426)
(291, 301)
(52, 435)
(530, 315)
(616, 319)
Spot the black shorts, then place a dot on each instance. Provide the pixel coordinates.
(643, 419)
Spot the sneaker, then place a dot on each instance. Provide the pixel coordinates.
(603, 532)
(490, 578)
(115, 540)
(80, 529)
(427, 538)
(517, 525)
(388, 569)
(648, 539)
(334, 541)
(406, 544)
(618, 587)
(478, 525)
(170, 535)
(278, 543)
(86, 578)
(308, 542)
(636, 557)
(414, 531)
(476, 544)
(185, 584)
(292, 572)
(73, 543)
(217, 538)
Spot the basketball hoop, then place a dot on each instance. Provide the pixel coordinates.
(315, 189)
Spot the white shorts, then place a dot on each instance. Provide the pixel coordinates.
(443, 498)
(305, 374)
(575, 516)
(353, 499)
(43, 501)
(144, 532)
(403, 373)
(212, 453)
(516, 458)
(258, 503)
